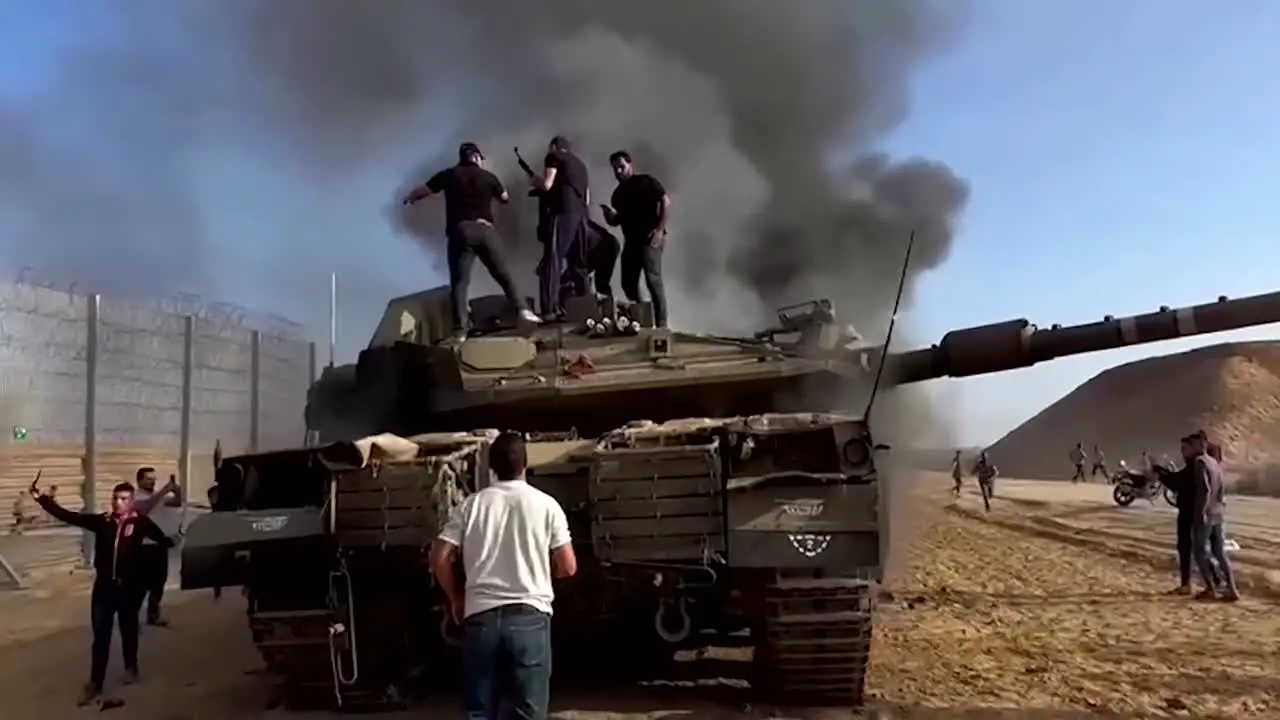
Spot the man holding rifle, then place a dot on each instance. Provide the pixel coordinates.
(564, 195)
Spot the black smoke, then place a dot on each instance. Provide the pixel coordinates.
(761, 118)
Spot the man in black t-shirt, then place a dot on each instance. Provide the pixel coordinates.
(639, 207)
(564, 185)
(469, 191)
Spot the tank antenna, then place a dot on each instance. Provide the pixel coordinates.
(893, 320)
(333, 314)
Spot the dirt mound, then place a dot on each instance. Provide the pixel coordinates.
(1230, 390)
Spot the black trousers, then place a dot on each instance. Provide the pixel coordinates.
(155, 562)
(563, 266)
(639, 255)
(109, 603)
(602, 256)
(1187, 552)
(469, 241)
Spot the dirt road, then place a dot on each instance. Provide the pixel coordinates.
(987, 622)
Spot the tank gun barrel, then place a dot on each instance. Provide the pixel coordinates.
(1016, 344)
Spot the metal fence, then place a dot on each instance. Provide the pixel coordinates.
(87, 371)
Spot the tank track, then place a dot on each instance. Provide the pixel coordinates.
(817, 641)
(295, 647)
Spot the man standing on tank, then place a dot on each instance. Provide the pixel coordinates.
(565, 184)
(639, 206)
(511, 538)
(469, 193)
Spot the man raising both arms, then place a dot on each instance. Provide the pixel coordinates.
(469, 192)
(512, 538)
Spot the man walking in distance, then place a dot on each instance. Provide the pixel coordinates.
(1077, 459)
(957, 474)
(512, 539)
(1099, 463)
(118, 576)
(1208, 516)
(165, 510)
(469, 192)
(640, 206)
(565, 188)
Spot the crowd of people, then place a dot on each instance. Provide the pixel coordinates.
(1198, 487)
(132, 541)
(574, 247)
(1201, 504)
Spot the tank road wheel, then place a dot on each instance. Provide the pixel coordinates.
(817, 641)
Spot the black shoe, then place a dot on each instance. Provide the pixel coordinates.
(158, 622)
(130, 676)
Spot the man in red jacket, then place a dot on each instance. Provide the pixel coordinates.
(120, 576)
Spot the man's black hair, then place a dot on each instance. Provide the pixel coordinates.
(1197, 435)
(137, 477)
(466, 150)
(620, 155)
(508, 456)
(560, 143)
(122, 488)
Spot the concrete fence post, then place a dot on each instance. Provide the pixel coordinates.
(312, 369)
(184, 432)
(89, 486)
(255, 391)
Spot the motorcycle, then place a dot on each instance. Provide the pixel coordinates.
(1131, 485)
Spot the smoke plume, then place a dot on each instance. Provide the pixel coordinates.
(760, 117)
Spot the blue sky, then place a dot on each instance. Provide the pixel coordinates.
(1120, 156)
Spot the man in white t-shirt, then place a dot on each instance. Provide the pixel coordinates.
(164, 507)
(511, 538)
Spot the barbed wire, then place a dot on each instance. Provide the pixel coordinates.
(181, 303)
(43, 351)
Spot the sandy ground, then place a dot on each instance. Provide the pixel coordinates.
(999, 616)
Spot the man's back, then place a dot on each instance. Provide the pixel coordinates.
(469, 191)
(507, 532)
(1210, 491)
(568, 193)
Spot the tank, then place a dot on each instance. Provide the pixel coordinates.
(719, 491)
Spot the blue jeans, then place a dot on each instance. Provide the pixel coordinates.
(506, 661)
(1211, 542)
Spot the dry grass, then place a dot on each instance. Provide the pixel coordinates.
(988, 622)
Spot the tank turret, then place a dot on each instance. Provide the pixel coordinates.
(606, 365)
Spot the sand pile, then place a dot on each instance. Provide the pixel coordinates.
(1230, 390)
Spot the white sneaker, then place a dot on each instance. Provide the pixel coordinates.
(527, 315)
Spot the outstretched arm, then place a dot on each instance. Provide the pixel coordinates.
(88, 521)
(151, 530)
(426, 190)
(167, 494)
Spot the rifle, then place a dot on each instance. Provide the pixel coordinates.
(533, 192)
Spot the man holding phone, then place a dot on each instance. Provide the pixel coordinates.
(165, 510)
